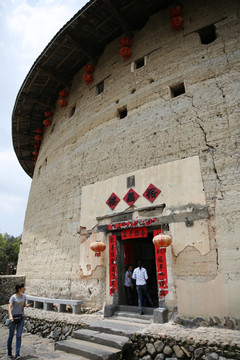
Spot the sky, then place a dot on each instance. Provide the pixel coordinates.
(26, 27)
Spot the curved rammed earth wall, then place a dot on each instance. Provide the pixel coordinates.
(94, 145)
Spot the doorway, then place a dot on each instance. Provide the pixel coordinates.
(130, 252)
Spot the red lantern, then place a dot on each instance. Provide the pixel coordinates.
(162, 240)
(125, 52)
(36, 145)
(39, 131)
(38, 138)
(89, 68)
(34, 162)
(126, 42)
(177, 23)
(62, 103)
(63, 93)
(35, 152)
(47, 122)
(88, 78)
(97, 247)
(48, 114)
(176, 11)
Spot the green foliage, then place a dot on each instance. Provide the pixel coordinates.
(9, 249)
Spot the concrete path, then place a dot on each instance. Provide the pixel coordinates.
(34, 347)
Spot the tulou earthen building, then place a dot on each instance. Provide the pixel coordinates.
(128, 124)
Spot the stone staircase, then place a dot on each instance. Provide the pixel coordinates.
(109, 338)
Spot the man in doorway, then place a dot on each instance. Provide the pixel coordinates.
(128, 285)
(141, 276)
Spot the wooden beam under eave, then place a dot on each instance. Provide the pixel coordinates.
(60, 80)
(34, 100)
(116, 12)
(82, 49)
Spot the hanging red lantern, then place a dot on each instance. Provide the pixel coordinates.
(35, 152)
(63, 93)
(162, 240)
(126, 41)
(36, 145)
(62, 103)
(176, 11)
(177, 23)
(89, 68)
(125, 52)
(39, 131)
(48, 114)
(47, 122)
(88, 78)
(97, 247)
(38, 138)
(34, 162)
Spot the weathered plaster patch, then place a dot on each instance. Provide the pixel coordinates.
(196, 236)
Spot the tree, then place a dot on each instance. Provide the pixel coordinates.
(9, 249)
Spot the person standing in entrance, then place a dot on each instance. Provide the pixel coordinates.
(128, 285)
(141, 276)
(16, 318)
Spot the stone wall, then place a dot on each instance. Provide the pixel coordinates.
(95, 144)
(149, 346)
(7, 285)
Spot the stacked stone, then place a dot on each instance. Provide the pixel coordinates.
(47, 329)
(167, 348)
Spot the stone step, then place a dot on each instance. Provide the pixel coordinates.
(137, 318)
(116, 341)
(135, 309)
(88, 349)
(116, 326)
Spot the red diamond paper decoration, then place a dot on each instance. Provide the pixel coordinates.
(130, 197)
(112, 201)
(151, 193)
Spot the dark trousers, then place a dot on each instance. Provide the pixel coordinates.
(143, 291)
(129, 295)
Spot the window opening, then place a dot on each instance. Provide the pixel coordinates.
(72, 111)
(177, 90)
(139, 63)
(207, 34)
(130, 181)
(99, 88)
(122, 113)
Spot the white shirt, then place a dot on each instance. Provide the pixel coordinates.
(140, 275)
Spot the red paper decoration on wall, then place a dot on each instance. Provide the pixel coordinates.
(161, 268)
(112, 201)
(151, 193)
(134, 233)
(131, 197)
(112, 264)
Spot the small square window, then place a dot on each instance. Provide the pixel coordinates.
(72, 111)
(207, 34)
(139, 63)
(122, 113)
(177, 90)
(130, 181)
(99, 88)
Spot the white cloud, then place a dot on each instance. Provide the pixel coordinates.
(35, 25)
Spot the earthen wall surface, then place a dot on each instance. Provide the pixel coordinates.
(95, 144)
